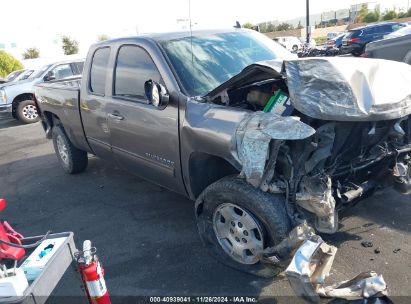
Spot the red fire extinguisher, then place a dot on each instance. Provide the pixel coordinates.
(92, 274)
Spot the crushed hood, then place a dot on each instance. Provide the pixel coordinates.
(350, 89)
(259, 71)
(337, 88)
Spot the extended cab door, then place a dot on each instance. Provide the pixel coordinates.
(144, 139)
(93, 103)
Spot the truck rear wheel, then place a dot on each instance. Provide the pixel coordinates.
(27, 111)
(72, 160)
(236, 222)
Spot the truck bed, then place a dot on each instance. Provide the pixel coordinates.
(62, 98)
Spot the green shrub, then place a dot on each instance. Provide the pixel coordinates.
(31, 53)
(371, 17)
(70, 46)
(8, 64)
(389, 15)
(320, 40)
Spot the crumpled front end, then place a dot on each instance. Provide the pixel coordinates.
(324, 133)
(341, 131)
(321, 170)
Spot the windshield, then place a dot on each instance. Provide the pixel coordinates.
(38, 73)
(23, 75)
(13, 75)
(218, 57)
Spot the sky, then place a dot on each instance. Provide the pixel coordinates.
(41, 23)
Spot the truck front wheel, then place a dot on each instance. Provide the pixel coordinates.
(237, 222)
(26, 111)
(72, 160)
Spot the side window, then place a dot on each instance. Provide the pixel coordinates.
(62, 71)
(79, 67)
(134, 67)
(368, 31)
(99, 70)
(382, 29)
(396, 27)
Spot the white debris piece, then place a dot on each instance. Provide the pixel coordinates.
(364, 285)
(310, 266)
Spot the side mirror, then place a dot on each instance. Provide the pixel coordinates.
(49, 76)
(156, 94)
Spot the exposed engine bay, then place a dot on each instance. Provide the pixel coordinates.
(322, 147)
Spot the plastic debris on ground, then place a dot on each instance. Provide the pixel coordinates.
(311, 263)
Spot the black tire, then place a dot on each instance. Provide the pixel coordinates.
(76, 160)
(407, 58)
(26, 111)
(267, 209)
(14, 114)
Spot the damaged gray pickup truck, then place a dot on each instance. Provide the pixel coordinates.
(262, 141)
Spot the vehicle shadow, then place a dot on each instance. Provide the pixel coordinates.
(7, 122)
(388, 208)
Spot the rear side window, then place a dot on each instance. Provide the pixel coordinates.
(385, 28)
(369, 30)
(353, 34)
(99, 70)
(79, 67)
(62, 71)
(134, 67)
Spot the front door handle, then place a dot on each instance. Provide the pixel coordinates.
(116, 116)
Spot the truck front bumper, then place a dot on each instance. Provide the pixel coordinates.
(5, 109)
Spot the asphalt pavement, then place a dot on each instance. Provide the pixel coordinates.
(146, 235)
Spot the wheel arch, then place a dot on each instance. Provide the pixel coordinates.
(205, 169)
(21, 97)
(49, 120)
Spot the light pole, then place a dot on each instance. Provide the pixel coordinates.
(307, 20)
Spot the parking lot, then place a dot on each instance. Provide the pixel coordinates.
(146, 235)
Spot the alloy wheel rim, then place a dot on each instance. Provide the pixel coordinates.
(62, 149)
(30, 112)
(239, 233)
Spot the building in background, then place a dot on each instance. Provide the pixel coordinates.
(340, 16)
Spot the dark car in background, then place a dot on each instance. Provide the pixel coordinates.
(356, 39)
(394, 47)
(337, 41)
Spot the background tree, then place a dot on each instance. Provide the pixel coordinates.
(8, 64)
(31, 53)
(389, 15)
(299, 26)
(372, 17)
(70, 46)
(248, 25)
(263, 27)
(362, 13)
(284, 27)
(270, 27)
(103, 37)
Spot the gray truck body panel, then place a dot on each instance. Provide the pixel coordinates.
(398, 49)
(172, 146)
